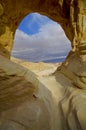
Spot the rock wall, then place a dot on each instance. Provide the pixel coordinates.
(70, 14)
(52, 102)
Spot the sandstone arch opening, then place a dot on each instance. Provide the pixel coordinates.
(38, 38)
(45, 110)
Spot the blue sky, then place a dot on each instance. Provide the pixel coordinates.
(33, 22)
(38, 38)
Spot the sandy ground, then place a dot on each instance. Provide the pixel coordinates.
(40, 68)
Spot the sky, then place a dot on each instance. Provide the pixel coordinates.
(38, 38)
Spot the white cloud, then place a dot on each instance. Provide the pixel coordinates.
(49, 41)
(38, 19)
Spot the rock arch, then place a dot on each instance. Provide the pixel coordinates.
(68, 13)
(39, 101)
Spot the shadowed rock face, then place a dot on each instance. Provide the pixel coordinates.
(55, 102)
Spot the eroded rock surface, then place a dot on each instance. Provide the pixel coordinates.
(70, 14)
(52, 102)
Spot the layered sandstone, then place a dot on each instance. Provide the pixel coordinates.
(56, 101)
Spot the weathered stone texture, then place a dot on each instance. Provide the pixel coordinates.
(70, 14)
(56, 102)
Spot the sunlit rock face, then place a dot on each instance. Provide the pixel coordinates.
(70, 14)
(51, 102)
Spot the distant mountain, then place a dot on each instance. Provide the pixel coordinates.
(57, 57)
